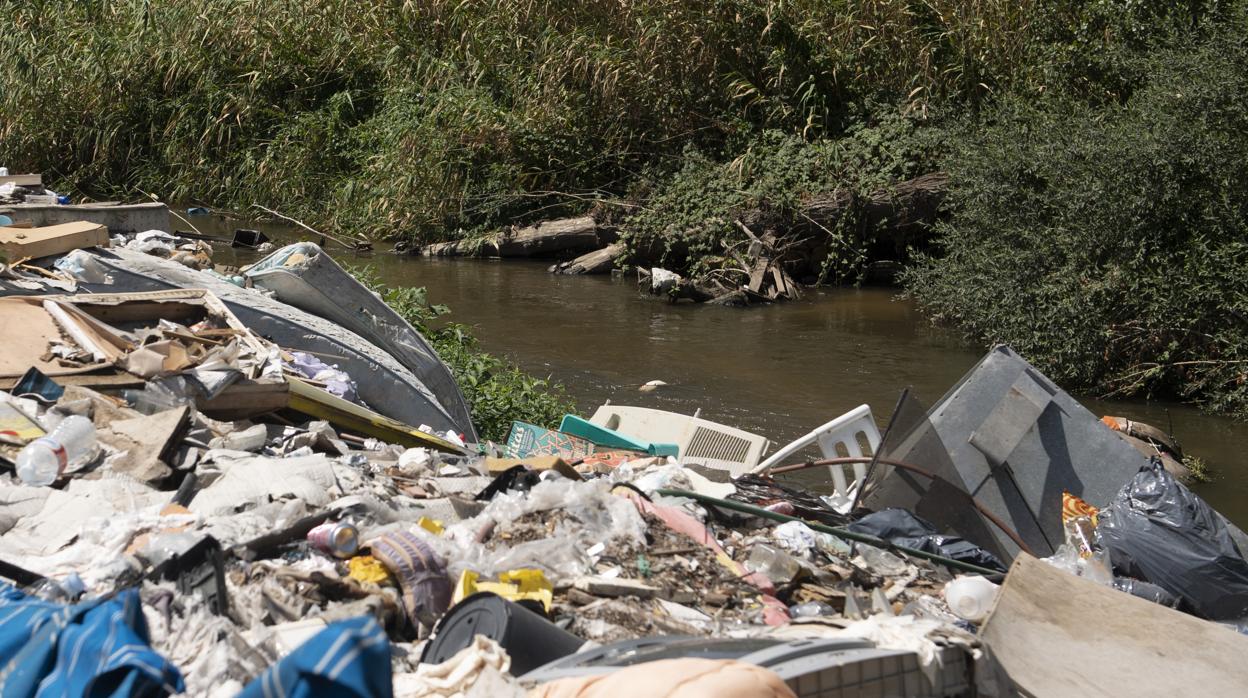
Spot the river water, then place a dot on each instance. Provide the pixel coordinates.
(776, 371)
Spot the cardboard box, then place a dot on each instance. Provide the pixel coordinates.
(33, 243)
(528, 440)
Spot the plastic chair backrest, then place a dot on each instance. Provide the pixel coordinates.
(852, 434)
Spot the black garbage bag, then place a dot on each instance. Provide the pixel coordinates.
(1147, 591)
(520, 478)
(1159, 531)
(904, 528)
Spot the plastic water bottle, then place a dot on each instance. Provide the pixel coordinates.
(970, 598)
(43, 460)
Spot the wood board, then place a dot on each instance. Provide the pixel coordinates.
(33, 243)
(1061, 635)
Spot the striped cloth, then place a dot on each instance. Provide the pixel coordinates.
(350, 658)
(421, 574)
(96, 648)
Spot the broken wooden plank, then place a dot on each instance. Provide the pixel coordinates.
(104, 408)
(245, 399)
(783, 285)
(758, 274)
(28, 348)
(112, 380)
(778, 288)
(612, 587)
(794, 289)
(34, 243)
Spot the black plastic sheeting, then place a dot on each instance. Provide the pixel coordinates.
(1147, 591)
(1158, 531)
(764, 491)
(901, 527)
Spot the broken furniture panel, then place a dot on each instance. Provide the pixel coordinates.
(1057, 634)
(1015, 442)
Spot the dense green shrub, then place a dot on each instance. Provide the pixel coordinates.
(1109, 244)
(689, 215)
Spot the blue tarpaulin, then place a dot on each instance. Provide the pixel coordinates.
(348, 658)
(96, 648)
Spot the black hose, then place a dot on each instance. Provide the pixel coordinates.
(996, 520)
(838, 532)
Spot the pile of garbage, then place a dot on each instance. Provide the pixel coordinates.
(218, 482)
(26, 189)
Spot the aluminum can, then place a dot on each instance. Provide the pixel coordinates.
(337, 538)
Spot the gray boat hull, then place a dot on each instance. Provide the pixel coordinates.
(385, 384)
(304, 276)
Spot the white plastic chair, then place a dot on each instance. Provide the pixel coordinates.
(848, 432)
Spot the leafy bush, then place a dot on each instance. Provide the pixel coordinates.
(497, 392)
(689, 215)
(1109, 244)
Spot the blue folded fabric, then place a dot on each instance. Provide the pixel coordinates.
(349, 658)
(94, 649)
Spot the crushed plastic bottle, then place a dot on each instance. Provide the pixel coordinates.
(811, 609)
(70, 444)
(773, 563)
(881, 561)
(67, 590)
(1081, 534)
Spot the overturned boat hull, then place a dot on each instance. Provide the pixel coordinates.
(384, 383)
(304, 276)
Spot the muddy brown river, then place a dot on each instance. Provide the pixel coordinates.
(777, 371)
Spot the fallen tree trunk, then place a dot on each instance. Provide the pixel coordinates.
(907, 206)
(545, 239)
(894, 217)
(597, 262)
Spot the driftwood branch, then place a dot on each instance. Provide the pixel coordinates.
(355, 245)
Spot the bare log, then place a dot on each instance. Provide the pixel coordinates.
(906, 205)
(597, 262)
(548, 238)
